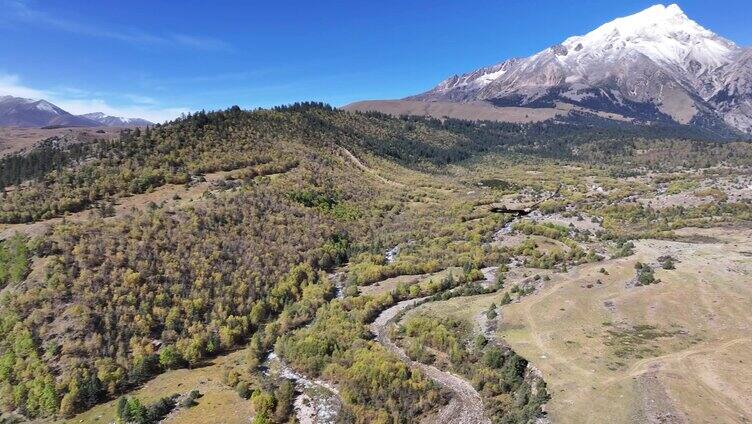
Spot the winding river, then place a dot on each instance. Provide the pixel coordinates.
(465, 406)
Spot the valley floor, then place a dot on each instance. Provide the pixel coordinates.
(672, 352)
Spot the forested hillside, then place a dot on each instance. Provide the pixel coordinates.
(115, 301)
(232, 139)
(100, 302)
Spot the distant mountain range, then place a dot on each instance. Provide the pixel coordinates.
(21, 112)
(116, 121)
(655, 66)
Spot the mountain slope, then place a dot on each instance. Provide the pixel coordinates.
(734, 99)
(20, 112)
(655, 66)
(116, 121)
(28, 113)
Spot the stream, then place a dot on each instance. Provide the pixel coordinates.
(319, 402)
(316, 401)
(338, 279)
(465, 405)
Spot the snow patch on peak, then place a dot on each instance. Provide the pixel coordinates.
(47, 107)
(675, 9)
(659, 11)
(477, 79)
(650, 18)
(662, 33)
(9, 98)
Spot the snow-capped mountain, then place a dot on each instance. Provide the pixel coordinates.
(20, 112)
(656, 65)
(116, 121)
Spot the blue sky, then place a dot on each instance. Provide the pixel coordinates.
(158, 59)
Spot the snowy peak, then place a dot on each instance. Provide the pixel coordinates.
(46, 106)
(650, 18)
(95, 115)
(662, 33)
(655, 65)
(116, 121)
(22, 112)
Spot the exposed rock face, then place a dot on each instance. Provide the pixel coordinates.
(734, 100)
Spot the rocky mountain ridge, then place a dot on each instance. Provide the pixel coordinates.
(654, 66)
(31, 113)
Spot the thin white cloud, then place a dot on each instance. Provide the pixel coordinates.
(78, 101)
(20, 11)
(199, 43)
(141, 100)
(10, 85)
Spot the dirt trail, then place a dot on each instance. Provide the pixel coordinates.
(466, 406)
(644, 365)
(360, 165)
